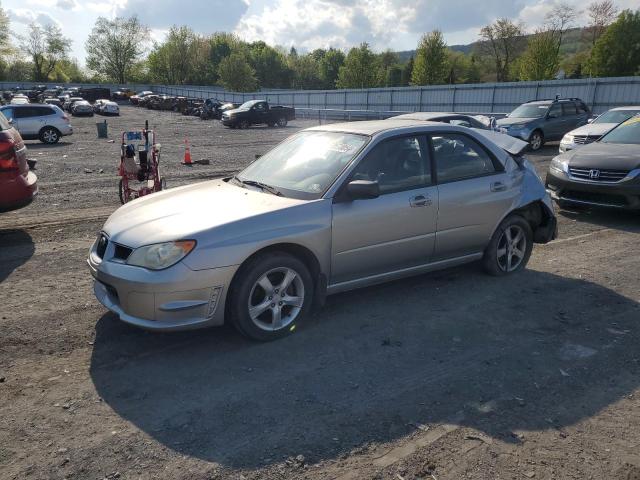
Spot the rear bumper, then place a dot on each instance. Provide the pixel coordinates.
(18, 192)
(622, 195)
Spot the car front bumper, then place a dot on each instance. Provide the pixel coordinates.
(623, 195)
(228, 121)
(176, 298)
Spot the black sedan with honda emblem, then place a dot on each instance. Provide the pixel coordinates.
(605, 173)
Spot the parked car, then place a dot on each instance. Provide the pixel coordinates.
(53, 101)
(18, 184)
(605, 173)
(82, 108)
(93, 94)
(255, 112)
(122, 94)
(330, 209)
(545, 120)
(46, 123)
(68, 105)
(471, 121)
(19, 99)
(597, 128)
(106, 107)
(135, 99)
(147, 100)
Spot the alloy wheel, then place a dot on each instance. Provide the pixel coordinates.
(50, 136)
(276, 299)
(512, 248)
(536, 141)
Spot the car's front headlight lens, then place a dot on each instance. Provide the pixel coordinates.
(559, 165)
(567, 139)
(161, 255)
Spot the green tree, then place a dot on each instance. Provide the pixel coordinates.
(270, 66)
(46, 46)
(172, 61)
(329, 66)
(430, 66)
(617, 51)
(5, 32)
(541, 59)
(387, 62)
(357, 71)
(306, 72)
(115, 46)
(407, 71)
(503, 42)
(236, 74)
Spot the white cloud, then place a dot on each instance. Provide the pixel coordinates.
(25, 16)
(66, 4)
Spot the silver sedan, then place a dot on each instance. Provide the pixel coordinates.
(330, 209)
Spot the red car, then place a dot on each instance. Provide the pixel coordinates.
(18, 184)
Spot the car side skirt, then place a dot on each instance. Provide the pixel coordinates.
(403, 273)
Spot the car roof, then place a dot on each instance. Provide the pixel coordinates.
(428, 115)
(626, 108)
(373, 127)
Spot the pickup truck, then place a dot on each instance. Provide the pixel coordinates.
(256, 112)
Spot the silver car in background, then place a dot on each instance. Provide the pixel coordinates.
(47, 123)
(597, 128)
(330, 209)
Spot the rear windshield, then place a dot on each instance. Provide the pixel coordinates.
(616, 116)
(627, 132)
(4, 123)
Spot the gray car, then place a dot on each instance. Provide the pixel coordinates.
(330, 209)
(472, 121)
(47, 123)
(545, 120)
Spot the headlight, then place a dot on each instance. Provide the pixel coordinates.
(161, 255)
(567, 139)
(559, 165)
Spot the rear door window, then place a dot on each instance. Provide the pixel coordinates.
(555, 111)
(459, 157)
(569, 109)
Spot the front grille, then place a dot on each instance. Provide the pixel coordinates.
(600, 198)
(585, 139)
(101, 248)
(598, 175)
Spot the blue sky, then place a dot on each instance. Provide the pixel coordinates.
(307, 24)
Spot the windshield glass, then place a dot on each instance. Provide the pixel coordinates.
(306, 164)
(627, 132)
(529, 111)
(248, 105)
(616, 116)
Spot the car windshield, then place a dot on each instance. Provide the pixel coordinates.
(248, 105)
(616, 116)
(529, 111)
(627, 132)
(306, 164)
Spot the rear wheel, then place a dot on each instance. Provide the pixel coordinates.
(536, 141)
(510, 247)
(272, 294)
(50, 135)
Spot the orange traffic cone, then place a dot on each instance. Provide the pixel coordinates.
(187, 153)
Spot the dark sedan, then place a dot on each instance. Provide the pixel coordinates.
(605, 173)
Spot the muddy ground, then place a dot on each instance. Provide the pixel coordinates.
(445, 376)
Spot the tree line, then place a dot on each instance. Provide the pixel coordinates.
(120, 50)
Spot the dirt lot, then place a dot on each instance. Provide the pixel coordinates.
(445, 376)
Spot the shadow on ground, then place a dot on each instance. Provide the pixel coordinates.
(37, 145)
(16, 248)
(623, 220)
(532, 352)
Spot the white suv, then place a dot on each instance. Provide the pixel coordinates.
(47, 123)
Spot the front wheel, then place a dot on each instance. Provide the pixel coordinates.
(510, 247)
(536, 141)
(244, 124)
(272, 294)
(282, 122)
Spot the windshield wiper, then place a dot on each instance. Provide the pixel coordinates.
(263, 186)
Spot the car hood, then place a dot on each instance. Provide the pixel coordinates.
(598, 155)
(593, 129)
(508, 122)
(231, 111)
(191, 211)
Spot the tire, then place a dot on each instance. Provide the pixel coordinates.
(243, 124)
(50, 135)
(498, 259)
(282, 122)
(536, 140)
(270, 302)
(121, 192)
(271, 124)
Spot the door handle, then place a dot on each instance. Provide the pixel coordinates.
(498, 187)
(420, 201)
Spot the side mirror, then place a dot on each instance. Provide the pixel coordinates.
(258, 155)
(10, 120)
(590, 120)
(363, 189)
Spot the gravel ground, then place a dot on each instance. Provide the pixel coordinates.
(536, 376)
